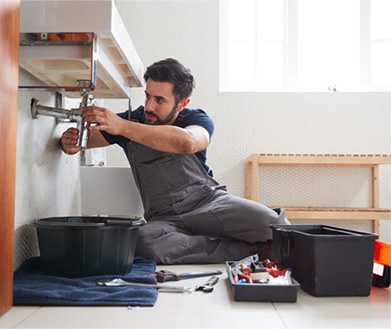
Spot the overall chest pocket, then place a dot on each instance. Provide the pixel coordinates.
(166, 178)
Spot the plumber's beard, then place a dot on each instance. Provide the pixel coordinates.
(159, 121)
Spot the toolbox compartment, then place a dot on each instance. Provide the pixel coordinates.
(262, 292)
(326, 260)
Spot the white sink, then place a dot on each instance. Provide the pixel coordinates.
(118, 65)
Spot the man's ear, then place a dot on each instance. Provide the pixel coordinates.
(182, 104)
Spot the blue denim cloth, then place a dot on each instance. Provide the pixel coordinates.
(33, 287)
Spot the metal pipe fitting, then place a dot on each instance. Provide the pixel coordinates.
(72, 115)
(37, 110)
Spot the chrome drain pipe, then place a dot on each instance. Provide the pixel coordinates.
(73, 115)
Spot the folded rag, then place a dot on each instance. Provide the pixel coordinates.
(33, 287)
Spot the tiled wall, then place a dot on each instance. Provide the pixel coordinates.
(47, 180)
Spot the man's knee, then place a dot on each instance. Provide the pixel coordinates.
(159, 241)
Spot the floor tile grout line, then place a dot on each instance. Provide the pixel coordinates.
(279, 315)
(31, 314)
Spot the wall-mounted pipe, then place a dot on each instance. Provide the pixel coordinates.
(73, 115)
(64, 115)
(84, 125)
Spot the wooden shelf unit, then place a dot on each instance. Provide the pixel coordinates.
(373, 161)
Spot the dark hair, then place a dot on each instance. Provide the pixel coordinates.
(170, 70)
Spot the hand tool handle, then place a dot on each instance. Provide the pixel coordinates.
(208, 286)
(163, 276)
(198, 274)
(212, 281)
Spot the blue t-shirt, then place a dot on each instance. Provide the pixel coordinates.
(187, 117)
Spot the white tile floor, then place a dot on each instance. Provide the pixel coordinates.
(215, 310)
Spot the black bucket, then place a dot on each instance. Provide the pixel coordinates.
(87, 245)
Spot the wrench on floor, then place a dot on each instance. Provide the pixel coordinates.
(208, 286)
(119, 282)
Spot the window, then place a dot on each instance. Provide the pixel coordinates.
(305, 45)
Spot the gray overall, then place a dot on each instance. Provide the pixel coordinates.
(191, 218)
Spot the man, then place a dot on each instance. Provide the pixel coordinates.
(190, 217)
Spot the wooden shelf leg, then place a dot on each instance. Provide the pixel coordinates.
(252, 178)
(248, 179)
(375, 196)
(254, 181)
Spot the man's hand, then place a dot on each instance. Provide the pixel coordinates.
(68, 141)
(107, 120)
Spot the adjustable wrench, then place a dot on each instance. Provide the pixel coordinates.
(208, 286)
(119, 282)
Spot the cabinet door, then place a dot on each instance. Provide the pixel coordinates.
(9, 68)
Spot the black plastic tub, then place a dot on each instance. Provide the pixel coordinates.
(87, 245)
(326, 260)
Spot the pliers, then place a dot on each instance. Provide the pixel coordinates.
(208, 286)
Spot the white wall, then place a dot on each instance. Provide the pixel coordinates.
(249, 123)
(48, 184)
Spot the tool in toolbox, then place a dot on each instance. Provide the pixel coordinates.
(163, 275)
(119, 283)
(251, 270)
(237, 267)
(208, 286)
(248, 262)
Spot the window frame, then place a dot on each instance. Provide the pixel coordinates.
(290, 51)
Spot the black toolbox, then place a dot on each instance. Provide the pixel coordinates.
(261, 292)
(326, 260)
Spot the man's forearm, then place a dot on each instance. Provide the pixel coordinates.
(163, 138)
(167, 138)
